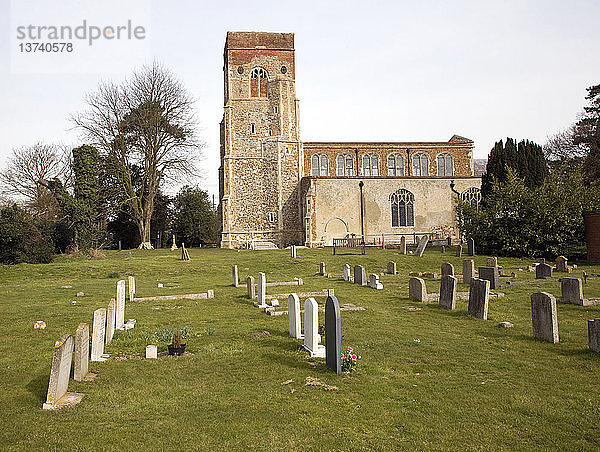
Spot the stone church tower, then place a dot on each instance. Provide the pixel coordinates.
(261, 152)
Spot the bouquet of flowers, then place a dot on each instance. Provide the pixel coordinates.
(349, 360)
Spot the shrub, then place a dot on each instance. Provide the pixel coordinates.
(21, 240)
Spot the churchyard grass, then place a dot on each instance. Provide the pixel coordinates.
(429, 379)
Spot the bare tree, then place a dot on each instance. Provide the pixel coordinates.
(146, 122)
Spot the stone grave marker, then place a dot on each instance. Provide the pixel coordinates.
(540, 260)
(261, 291)
(491, 274)
(391, 268)
(251, 287)
(294, 316)
(468, 270)
(416, 289)
(543, 271)
(82, 352)
(322, 269)
(458, 250)
(423, 241)
(311, 329)
(594, 335)
(443, 249)
(151, 352)
(447, 269)
(293, 251)
(98, 332)
(479, 295)
(448, 292)
(491, 262)
(360, 275)
(543, 316)
(111, 316)
(403, 245)
(333, 334)
(374, 282)
(347, 272)
(470, 247)
(562, 266)
(234, 276)
(572, 291)
(57, 396)
(120, 312)
(131, 286)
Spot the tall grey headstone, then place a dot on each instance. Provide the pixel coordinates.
(448, 292)
(423, 241)
(360, 275)
(479, 295)
(447, 269)
(251, 287)
(468, 270)
(57, 396)
(120, 313)
(543, 271)
(572, 291)
(261, 289)
(131, 287)
(294, 316)
(81, 352)
(347, 272)
(111, 316)
(234, 276)
(543, 317)
(98, 332)
(403, 245)
(561, 264)
(311, 329)
(491, 274)
(333, 334)
(458, 250)
(416, 289)
(374, 282)
(293, 251)
(470, 247)
(594, 335)
(322, 269)
(391, 268)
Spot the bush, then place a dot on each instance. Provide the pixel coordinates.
(21, 240)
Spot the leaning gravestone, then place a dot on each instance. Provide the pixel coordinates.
(234, 276)
(294, 316)
(447, 269)
(403, 245)
(543, 271)
(346, 272)
(543, 317)
(333, 335)
(391, 268)
(261, 291)
(468, 270)
(491, 262)
(251, 287)
(561, 264)
(479, 295)
(110, 320)
(448, 292)
(458, 250)
(470, 247)
(98, 333)
(360, 275)
(417, 290)
(57, 396)
(311, 329)
(322, 269)
(421, 246)
(572, 291)
(594, 335)
(120, 313)
(491, 274)
(374, 282)
(82, 352)
(131, 285)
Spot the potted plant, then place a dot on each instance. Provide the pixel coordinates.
(176, 348)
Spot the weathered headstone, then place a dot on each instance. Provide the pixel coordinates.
(594, 335)
(540, 260)
(251, 287)
(447, 269)
(543, 316)
(57, 396)
(443, 249)
(346, 272)
(131, 286)
(572, 291)
(403, 245)
(120, 313)
(111, 316)
(311, 329)
(374, 282)
(543, 271)
(234, 276)
(562, 265)
(458, 250)
(151, 352)
(98, 332)
(360, 275)
(391, 268)
(330, 292)
(491, 262)
(417, 290)
(479, 295)
(448, 292)
(470, 247)
(491, 274)
(468, 270)
(82, 352)
(322, 269)
(333, 334)
(294, 316)
(261, 289)
(423, 241)
(293, 251)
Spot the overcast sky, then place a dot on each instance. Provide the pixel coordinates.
(365, 71)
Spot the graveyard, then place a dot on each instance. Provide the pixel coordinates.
(429, 377)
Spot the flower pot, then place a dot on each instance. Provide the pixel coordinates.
(176, 350)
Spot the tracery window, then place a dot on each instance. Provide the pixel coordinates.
(472, 196)
(395, 164)
(319, 165)
(345, 165)
(445, 165)
(258, 82)
(370, 165)
(402, 204)
(420, 163)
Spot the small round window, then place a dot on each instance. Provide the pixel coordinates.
(283, 69)
(240, 70)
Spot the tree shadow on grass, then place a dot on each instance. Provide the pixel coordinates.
(39, 387)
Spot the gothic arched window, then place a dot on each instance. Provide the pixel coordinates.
(345, 165)
(445, 165)
(258, 82)
(420, 163)
(395, 164)
(472, 196)
(370, 165)
(403, 211)
(319, 165)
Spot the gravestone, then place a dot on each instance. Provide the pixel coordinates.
(293, 251)
(251, 287)
(261, 289)
(57, 396)
(479, 295)
(448, 292)
(151, 352)
(561, 264)
(131, 286)
(360, 275)
(423, 241)
(330, 292)
(333, 335)
(311, 329)
(417, 290)
(234, 276)
(322, 269)
(294, 316)
(491, 262)
(572, 291)
(98, 332)
(346, 272)
(468, 270)
(543, 271)
(458, 250)
(543, 317)
(82, 352)
(403, 245)
(491, 274)
(447, 269)
(443, 249)
(374, 282)
(391, 268)
(470, 247)
(120, 312)
(110, 320)
(594, 335)
(540, 260)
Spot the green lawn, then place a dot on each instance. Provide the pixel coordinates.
(428, 379)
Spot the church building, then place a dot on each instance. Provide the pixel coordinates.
(276, 190)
